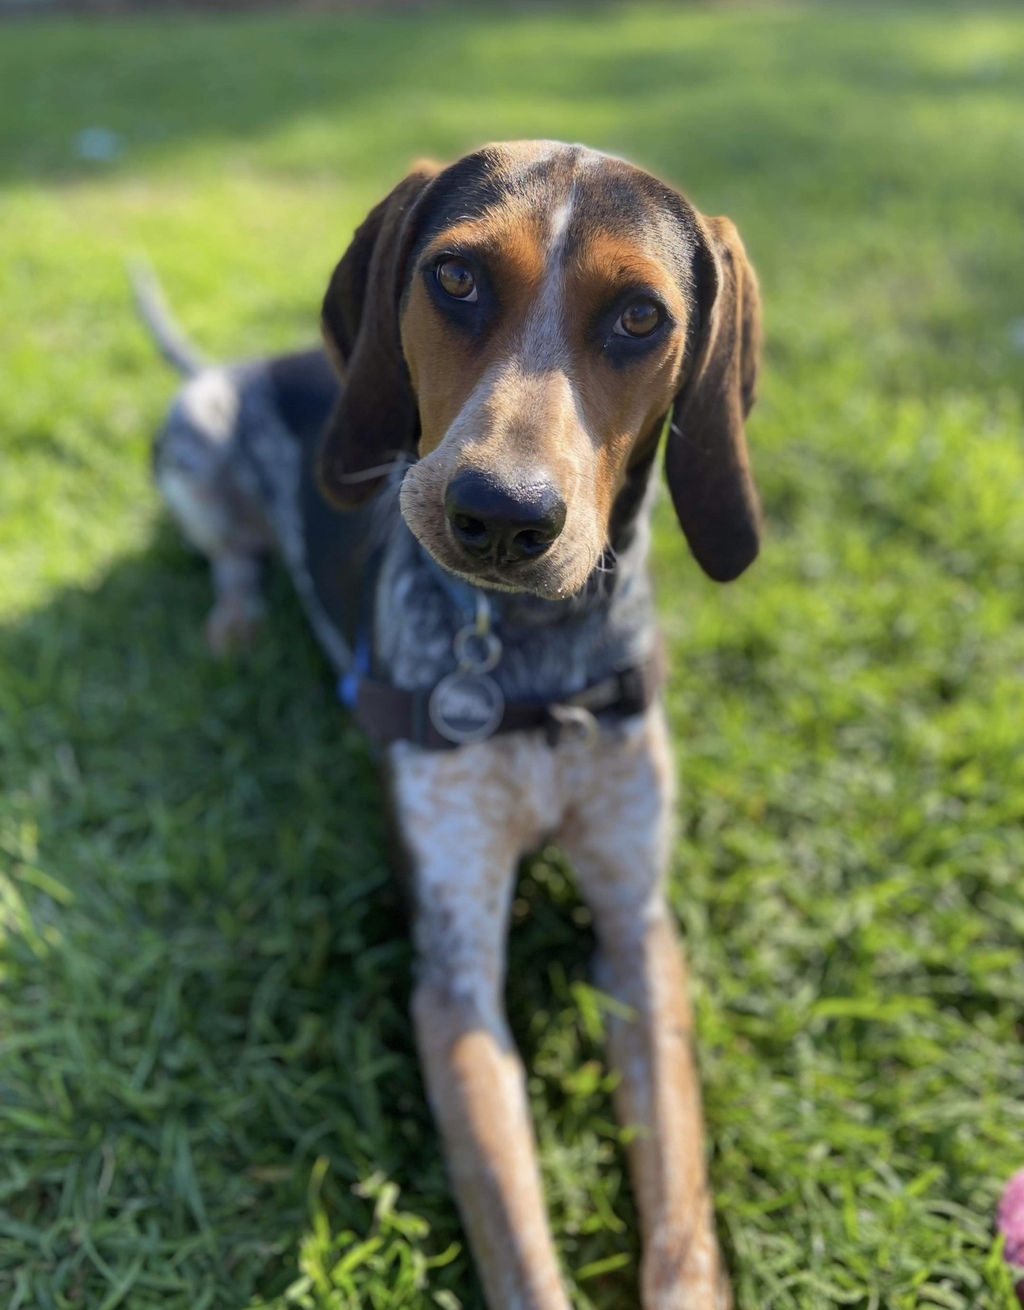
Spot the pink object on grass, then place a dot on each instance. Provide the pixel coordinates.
(1010, 1219)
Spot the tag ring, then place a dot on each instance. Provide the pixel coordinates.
(579, 723)
(475, 651)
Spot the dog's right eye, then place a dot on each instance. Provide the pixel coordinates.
(638, 320)
(456, 280)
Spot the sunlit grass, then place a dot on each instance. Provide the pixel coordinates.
(208, 1092)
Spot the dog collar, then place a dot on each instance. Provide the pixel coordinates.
(467, 705)
(388, 714)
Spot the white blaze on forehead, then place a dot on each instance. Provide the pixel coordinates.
(543, 339)
(560, 222)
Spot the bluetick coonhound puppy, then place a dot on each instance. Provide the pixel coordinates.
(459, 488)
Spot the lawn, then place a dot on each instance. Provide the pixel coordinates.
(208, 1091)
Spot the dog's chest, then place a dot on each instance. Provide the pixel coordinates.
(546, 654)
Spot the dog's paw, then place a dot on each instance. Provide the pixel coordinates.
(684, 1274)
(233, 625)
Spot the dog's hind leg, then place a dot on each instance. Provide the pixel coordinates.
(238, 608)
(214, 498)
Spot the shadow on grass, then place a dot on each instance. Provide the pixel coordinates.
(208, 962)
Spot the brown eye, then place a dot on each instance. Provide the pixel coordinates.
(456, 280)
(639, 319)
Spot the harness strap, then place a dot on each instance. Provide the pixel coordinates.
(387, 714)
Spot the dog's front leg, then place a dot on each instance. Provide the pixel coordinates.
(464, 825)
(618, 836)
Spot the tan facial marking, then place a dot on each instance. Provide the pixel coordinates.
(534, 396)
(446, 367)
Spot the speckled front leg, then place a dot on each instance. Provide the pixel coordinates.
(618, 836)
(464, 822)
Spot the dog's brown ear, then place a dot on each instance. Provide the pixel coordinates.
(706, 459)
(375, 420)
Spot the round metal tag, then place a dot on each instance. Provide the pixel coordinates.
(466, 707)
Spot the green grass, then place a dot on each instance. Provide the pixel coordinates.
(208, 1090)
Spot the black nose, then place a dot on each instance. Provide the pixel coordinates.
(505, 524)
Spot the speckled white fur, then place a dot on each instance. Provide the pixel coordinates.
(466, 817)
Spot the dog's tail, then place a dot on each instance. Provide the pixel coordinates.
(172, 343)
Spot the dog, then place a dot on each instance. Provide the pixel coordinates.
(459, 484)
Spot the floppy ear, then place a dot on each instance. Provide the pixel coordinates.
(706, 459)
(375, 420)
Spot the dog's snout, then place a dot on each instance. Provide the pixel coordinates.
(500, 523)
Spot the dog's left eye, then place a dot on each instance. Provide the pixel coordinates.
(456, 280)
(638, 320)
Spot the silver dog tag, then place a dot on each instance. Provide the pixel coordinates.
(466, 707)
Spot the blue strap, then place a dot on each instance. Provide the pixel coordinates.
(348, 683)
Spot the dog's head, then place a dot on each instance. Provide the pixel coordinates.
(523, 321)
